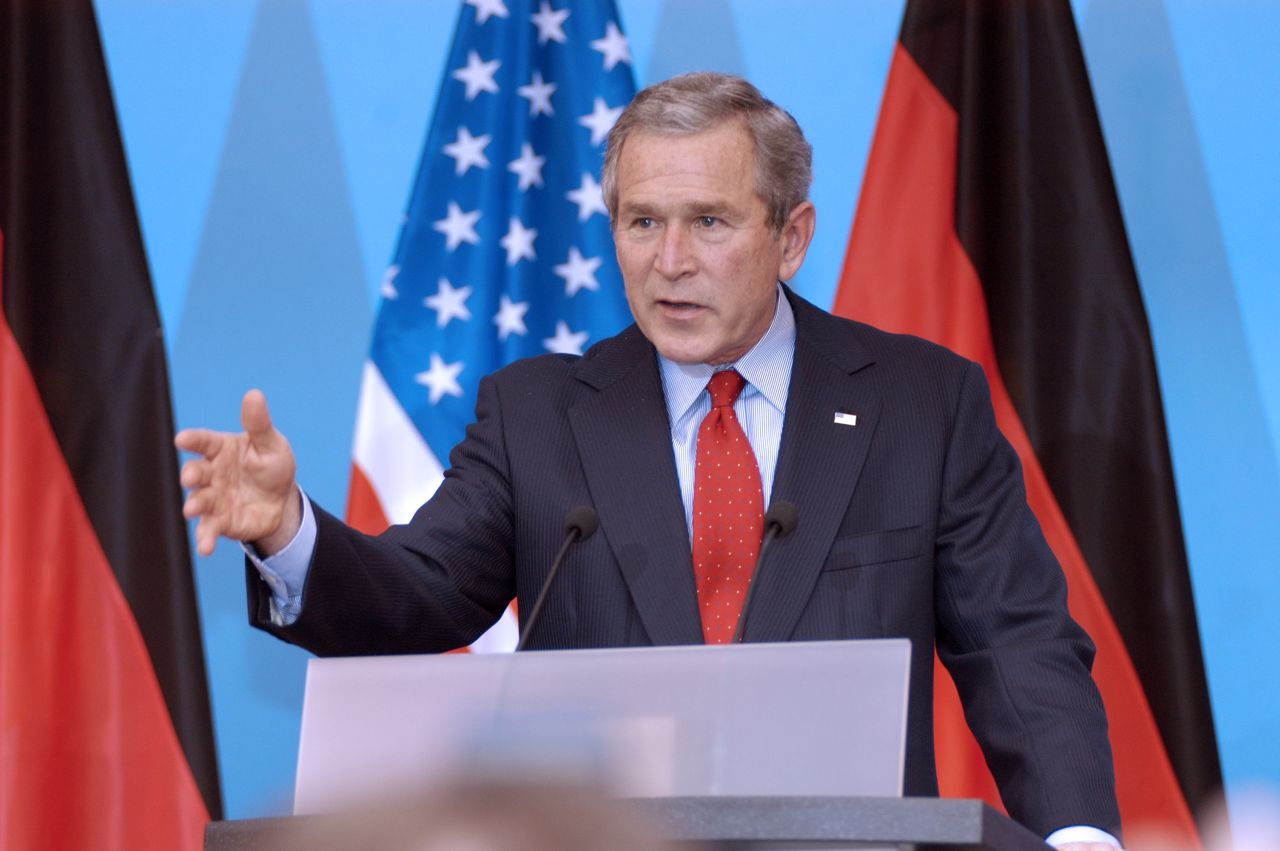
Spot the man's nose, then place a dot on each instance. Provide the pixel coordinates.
(675, 258)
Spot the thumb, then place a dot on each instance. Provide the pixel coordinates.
(255, 418)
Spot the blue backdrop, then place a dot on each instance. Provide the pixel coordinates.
(272, 145)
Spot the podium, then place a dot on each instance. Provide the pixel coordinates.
(759, 746)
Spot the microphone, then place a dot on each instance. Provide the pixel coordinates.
(579, 524)
(779, 522)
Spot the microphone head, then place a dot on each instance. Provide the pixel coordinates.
(783, 515)
(582, 519)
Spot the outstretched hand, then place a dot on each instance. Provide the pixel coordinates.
(244, 485)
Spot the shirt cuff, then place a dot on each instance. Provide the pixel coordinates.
(1080, 833)
(286, 572)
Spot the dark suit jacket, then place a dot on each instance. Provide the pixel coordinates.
(913, 523)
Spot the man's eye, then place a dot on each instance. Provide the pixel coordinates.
(643, 222)
(707, 221)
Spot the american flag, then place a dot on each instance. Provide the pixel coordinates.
(505, 251)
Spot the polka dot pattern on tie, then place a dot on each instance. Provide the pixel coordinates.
(728, 511)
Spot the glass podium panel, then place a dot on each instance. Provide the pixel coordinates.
(805, 718)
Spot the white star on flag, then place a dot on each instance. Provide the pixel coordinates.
(449, 303)
(458, 227)
(510, 317)
(388, 286)
(441, 379)
(578, 272)
(614, 47)
(539, 93)
(588, 197)
(600, 120)
(467, 150)
(550, 23)
(528, 166)
(518, 242)
(486, 9)
(478, 75)
(565, 342)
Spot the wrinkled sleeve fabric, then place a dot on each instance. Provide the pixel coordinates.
(1020, 663)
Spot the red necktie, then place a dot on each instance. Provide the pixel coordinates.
(728, 512)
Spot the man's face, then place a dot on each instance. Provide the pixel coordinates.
(698, 257)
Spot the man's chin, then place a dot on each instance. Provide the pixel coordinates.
(683, 343)
(681, 352)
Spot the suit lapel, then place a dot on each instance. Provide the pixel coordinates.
(624, 441)
(819, 461)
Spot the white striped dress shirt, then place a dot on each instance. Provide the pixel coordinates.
(760, 407)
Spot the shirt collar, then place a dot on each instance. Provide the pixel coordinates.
(766, 367)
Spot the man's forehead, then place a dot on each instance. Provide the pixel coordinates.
(717, 159)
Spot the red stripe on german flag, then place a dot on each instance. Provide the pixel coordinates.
(89, 758)
(989, 223)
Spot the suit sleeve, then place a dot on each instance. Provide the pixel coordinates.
(432, 585)
(1020, 663)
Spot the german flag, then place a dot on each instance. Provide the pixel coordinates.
(989, 223)
(105, 733)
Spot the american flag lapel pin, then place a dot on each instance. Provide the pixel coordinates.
(843, 418)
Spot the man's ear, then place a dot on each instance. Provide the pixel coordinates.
(796, 235)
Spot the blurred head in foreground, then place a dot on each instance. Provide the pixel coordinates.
(483, 816)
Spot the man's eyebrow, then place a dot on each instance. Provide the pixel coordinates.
(691, 210)
(707, 208)
(694, 209)
(636, 208)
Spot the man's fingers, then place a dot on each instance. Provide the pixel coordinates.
(207, 531)
(201, 440)
(199, 504)
(232, 473)
(196, 473)
(254, 416)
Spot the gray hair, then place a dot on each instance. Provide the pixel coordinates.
(692, 103)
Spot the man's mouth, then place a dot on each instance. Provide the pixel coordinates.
(678, 308)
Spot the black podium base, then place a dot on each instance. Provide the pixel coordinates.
(758, 823)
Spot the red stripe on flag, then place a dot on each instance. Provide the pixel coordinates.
(364, 511)
(88, 754)
(906, 271)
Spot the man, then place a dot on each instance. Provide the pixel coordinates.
(728, 394)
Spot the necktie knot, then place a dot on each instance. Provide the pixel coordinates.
(724, 388)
